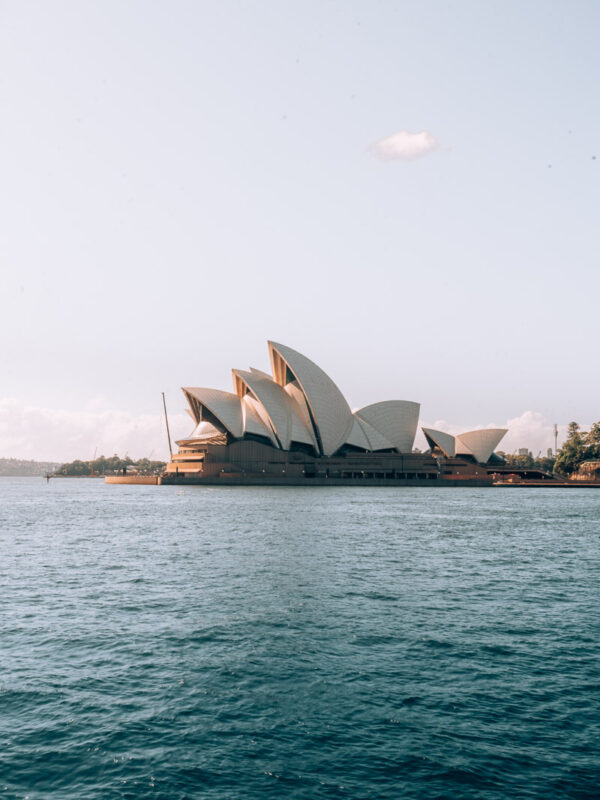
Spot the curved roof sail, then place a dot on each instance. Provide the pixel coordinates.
(260, 372)
(272, 398)
(204, 433)
(330, 414)
(364, 435)
(302, 427)
(480, 444)
(222, 409)
(253, 422)
(444, 441)
(357, 436)
(301, 405)
(395, 420)
(204, 430)
(279, 409)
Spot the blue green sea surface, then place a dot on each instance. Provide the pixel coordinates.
(159, 642)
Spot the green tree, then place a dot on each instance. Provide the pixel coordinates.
(579, 446)
(567, 459)
(592, 443)
(593, 437)
(109, 466)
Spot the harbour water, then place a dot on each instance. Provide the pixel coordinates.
(159, 642)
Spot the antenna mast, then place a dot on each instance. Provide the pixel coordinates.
(555, 439)
(167, 424)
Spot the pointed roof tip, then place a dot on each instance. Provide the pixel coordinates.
(445, 441)
(331, 415)
(272, 345)
(436, 430)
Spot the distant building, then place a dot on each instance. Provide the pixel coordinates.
(588, 471)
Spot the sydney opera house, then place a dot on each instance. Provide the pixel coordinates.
(295, 427)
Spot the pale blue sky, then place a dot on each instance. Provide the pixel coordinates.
(182, 181)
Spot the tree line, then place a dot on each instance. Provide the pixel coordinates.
(20, 467)
(110, 466)
(579, 446)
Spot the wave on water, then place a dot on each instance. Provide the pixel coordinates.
(323, 643)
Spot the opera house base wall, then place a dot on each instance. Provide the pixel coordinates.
(249, 463)
(273, 480)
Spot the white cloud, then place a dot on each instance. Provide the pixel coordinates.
(405, 146)
(47, 434)
(531, 430)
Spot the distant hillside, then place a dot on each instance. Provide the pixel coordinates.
(18, 467)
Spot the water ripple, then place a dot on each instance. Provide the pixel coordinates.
(274, 643)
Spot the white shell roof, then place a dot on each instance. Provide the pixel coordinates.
(376, 439)
(330, 412)
(302, 429)
(302, 404)
(204, 433)
(277, 404)
(481, 443)
(255, 371)
(364, 435)
(224, 406)
(445, 441)
(252, 419)
(204, 430)
(395, 420)
(357, 436)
